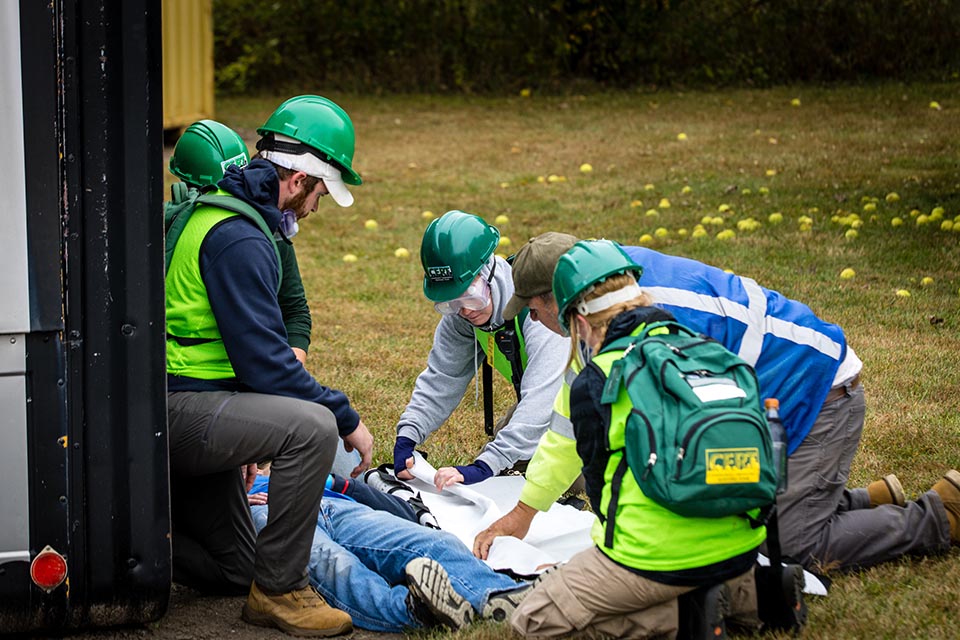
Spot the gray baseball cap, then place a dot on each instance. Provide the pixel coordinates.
(533, 269)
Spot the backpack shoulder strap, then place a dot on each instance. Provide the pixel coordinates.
(238, 206)
(179, 192)
(487, 377)
(510, 342)
(176, 214)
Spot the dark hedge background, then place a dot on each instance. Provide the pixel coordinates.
(555, 45)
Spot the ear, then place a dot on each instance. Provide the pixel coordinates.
(296, 181)
(584, 330)
(292, 186)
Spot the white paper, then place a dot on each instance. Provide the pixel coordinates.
(554, 536)
(712, 392)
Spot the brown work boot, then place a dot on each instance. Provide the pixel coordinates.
(300, 613)
(948, 488)
(886, 491)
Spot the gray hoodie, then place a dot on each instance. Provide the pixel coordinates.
(453, 362)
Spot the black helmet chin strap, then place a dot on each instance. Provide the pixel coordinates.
(493, 268)
(269, 142)
(508, 343)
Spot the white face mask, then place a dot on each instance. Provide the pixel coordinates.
(585, 353)
(288, 223)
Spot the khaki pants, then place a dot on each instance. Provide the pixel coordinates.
(593, 597)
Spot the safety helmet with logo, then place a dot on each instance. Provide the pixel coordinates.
(454, 249)
(585, 265)
(315, 135)
(204, 152)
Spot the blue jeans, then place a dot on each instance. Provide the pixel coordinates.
(358, 558)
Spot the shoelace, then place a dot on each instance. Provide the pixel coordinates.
(309, 597)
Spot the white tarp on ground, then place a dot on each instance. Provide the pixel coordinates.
(554, 536)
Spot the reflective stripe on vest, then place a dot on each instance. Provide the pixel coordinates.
(560, 418)
(500, 362)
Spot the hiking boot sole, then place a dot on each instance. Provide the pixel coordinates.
(896, 490)
(428, 581)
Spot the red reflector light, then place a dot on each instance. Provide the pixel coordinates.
(49, 569)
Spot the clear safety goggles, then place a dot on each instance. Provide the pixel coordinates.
(475, 298)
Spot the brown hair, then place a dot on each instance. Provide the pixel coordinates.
(601, 319)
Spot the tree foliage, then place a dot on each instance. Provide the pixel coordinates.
(501, 45)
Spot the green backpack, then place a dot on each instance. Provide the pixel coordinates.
(696, 437)
(177, 212)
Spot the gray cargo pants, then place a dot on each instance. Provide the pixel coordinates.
(824, 525)
(212, 435)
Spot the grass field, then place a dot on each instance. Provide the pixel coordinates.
(833, 162)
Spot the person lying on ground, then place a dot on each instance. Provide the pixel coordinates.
(391, 574)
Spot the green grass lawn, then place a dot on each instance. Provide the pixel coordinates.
(833, 162)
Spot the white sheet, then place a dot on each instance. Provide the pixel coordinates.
(555, 536)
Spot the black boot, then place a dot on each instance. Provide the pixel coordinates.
(703, 612)
(780, 598)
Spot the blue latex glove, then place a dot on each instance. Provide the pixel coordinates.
(402, 449)
(474, 473)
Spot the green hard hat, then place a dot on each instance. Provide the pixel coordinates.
(319, 123)
(454, 249)
(204, 152)
(587, 263)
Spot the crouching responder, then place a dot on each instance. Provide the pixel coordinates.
(469, 286)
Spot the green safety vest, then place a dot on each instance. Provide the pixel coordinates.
(194, 345)
(506, 352)
(497, 345)
(637, 532)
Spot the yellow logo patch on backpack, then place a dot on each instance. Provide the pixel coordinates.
(732, 466)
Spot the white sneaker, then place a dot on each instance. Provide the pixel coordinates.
(501, 606)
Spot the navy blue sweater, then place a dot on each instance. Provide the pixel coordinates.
(239, 268)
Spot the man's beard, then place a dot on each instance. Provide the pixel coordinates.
(298, 203)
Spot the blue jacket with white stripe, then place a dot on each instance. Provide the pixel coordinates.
(795, 354)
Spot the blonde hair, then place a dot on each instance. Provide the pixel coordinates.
(600, 320)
